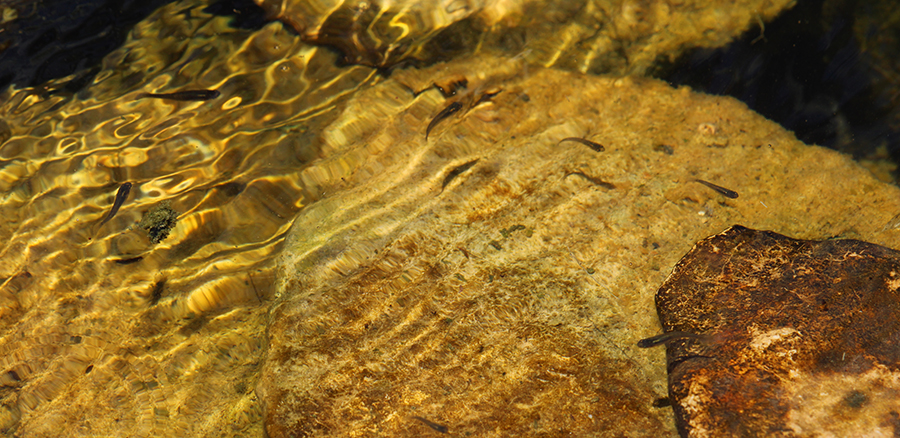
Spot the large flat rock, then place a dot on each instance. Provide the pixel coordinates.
(494, 279)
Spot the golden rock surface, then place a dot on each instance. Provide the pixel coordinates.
(600, 36)
(505, 299)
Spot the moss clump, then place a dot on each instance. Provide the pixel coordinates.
(159, 221)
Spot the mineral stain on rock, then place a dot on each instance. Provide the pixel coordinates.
(802, 336)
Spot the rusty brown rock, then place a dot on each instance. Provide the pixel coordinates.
(797, 337)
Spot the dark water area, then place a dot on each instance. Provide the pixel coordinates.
(806, 70)
(53, 39)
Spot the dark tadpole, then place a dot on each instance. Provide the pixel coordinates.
(451, 109)
(728, 193)
(667, 337)
(186, 95)
(121, 196)
(595, 181)
(128, 261)
(456, 172)
(438, 427)
(156, 294)
(595, 146)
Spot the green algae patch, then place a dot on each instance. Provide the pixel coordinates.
(159, 221)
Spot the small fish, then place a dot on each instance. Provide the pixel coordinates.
(596, 181)
(121, 196)
(595, 146)
(667, 337)
(456, 172)
(722, 190)
(446, 112)
(183, 95)
(438, 427)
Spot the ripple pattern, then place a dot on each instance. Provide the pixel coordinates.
(103, 332)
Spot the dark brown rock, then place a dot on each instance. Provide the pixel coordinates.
(798, 337)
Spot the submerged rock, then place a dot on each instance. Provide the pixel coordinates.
(800, 337)
(469, 279)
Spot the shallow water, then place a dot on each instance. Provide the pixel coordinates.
(146, 338)
(163, 333)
